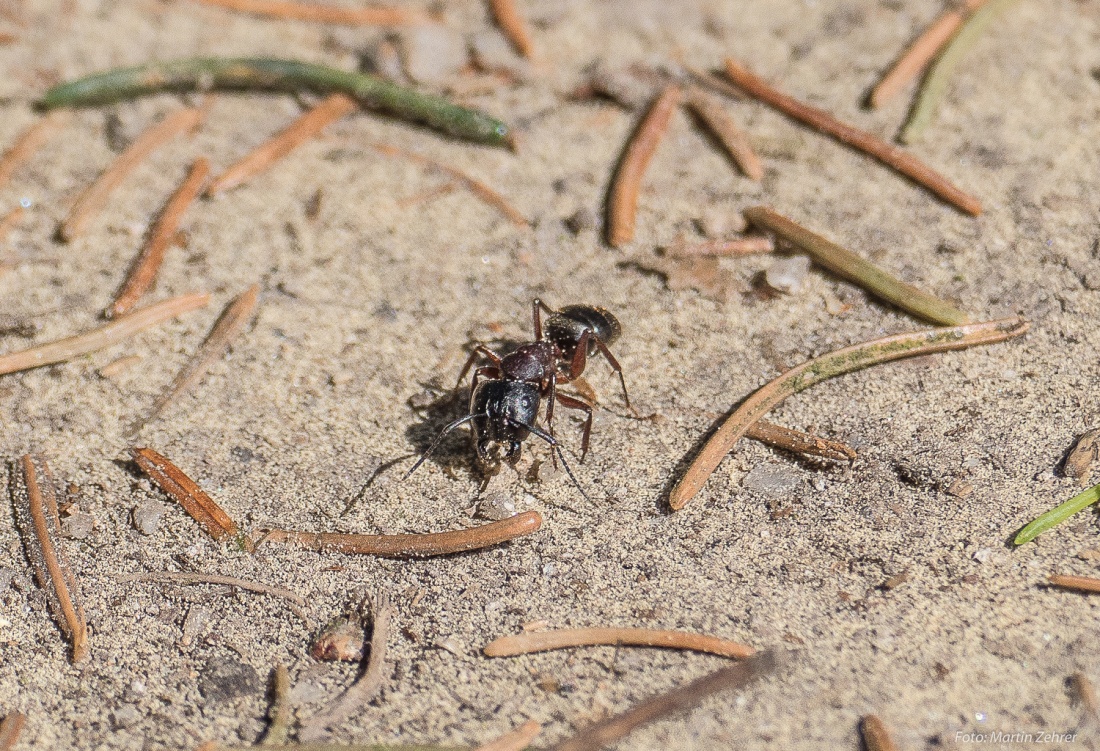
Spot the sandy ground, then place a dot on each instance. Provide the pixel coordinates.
(371, 305)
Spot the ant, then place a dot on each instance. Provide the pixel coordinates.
(505, 395)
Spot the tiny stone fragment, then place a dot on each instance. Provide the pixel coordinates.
(77, 526)
(125, 716)
(450, 644)
(226, 677)
(495, 506)
(147, 516)
(195, 623)
(772, 480)
(787, 275)
(1078, 464)
(341, 640)
(960, 488)
(432, 53)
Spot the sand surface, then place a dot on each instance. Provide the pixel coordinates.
(372, 303)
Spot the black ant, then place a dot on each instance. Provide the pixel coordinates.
(505, 395)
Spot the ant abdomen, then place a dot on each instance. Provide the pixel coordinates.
(567, 326)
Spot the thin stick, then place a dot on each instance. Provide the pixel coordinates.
(715, 116)
(823, 122)
(800, 443)
(326, 13)
(185, 492)
(10, 729)
(678, 700)
(827, 366)
(148, 262)
(514, 740)
(875, 735)
(92, 200)
(104, 336)
(935, 83)
(10, 220)
(622, 206)
(848, 265)
(26, 145)
(1082, 583)
(281, 712)
(228, 325)
(542, 641)
(920, 53)
(356, 696)
(513, 25)
(286, 75)
(414, 546)
(54, 573)
(186, 577)
(328, 111)
(1057, 515)
(478, 188)
(737, 246)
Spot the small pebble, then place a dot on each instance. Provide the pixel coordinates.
(623, 86)
(77, 526)
(787, 275)
(772, 480)
(495, 506)
(195, 623)
(721, 221)
(982, 555)
(125, 716)
(582, 219)
(432, 53)
(449, 644)
(147, 516)
(227, 677)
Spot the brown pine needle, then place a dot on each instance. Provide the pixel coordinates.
(92, 200)
(513, 25)
(478, 188)
(920, 53)
(104, 336)
(798, 442)
(542, 641)
(10, 730)
(27, 144)
(875, 735)
(737, 246)
(10, 220)
(721, 123)
(426, 195)
(52, 570)
(111, 369)
(514, 740)
(839, 362)
(413, 545)
(379, 16)
(187, 577)
(310, 124)
(228, 325)
(186, 492)
(1080, 583)
(161, 237)
(366, 687)
(622, 207)
(682, 699)
(823, 122)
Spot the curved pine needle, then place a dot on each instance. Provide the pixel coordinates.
(542, 641)
(800, 443)
(1057, 515)
(848, 265)
(284, 75)
(622, 205)
(513, 25)
(104, 336)
(935, 83)
(413, 545)
(722, 124)
(828, 366)
(514, 740)
(379, 16)
(188, 577)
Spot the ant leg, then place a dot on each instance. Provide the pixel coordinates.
(538, 305)
(479, 350)
(489, 371)
(617, 368)
(580, 356)
(556, 449)
(574, 403)
(552, 391)
(435, 443)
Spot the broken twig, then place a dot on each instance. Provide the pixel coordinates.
(542, 641)
(187, 577)
(721, 123)
(737, 246)
(1080, 583)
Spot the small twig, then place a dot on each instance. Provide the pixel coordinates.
(92, 200)
(356, 696)
(848, 265)
(186, 493)
(513, 25)
(875, 735)
(798, 442)
(722, 124)
(1081, 583)
(1057, 515)
(104, 336)
(186, 577)
(26, 145)
(934, 85)
(541, 641)
(286, 75)
(920, 53)
(828, 366)
(311, 123)
(10, 220)
(622, 206)
(53, 571)
(379, 16)
(281, 712)
(228, 325)
(677, 700)
(475, 186)
(10, 730)
(413, 545)
(148, 262)
(514, 740)
(737, 246)
(823, 122)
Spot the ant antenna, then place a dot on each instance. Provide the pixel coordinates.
(557, 447)
(438, 439)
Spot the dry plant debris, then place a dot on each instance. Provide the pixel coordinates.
(714, 115)
(1080, 583)
(1078, 463)
(371, 16)
(10, 729)
(542, 641)
(875, 735)
(281, 713)
(513, 25)
(733, 247)
(798, 442)
(27, 144)
(187, 577)
(104, 336)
